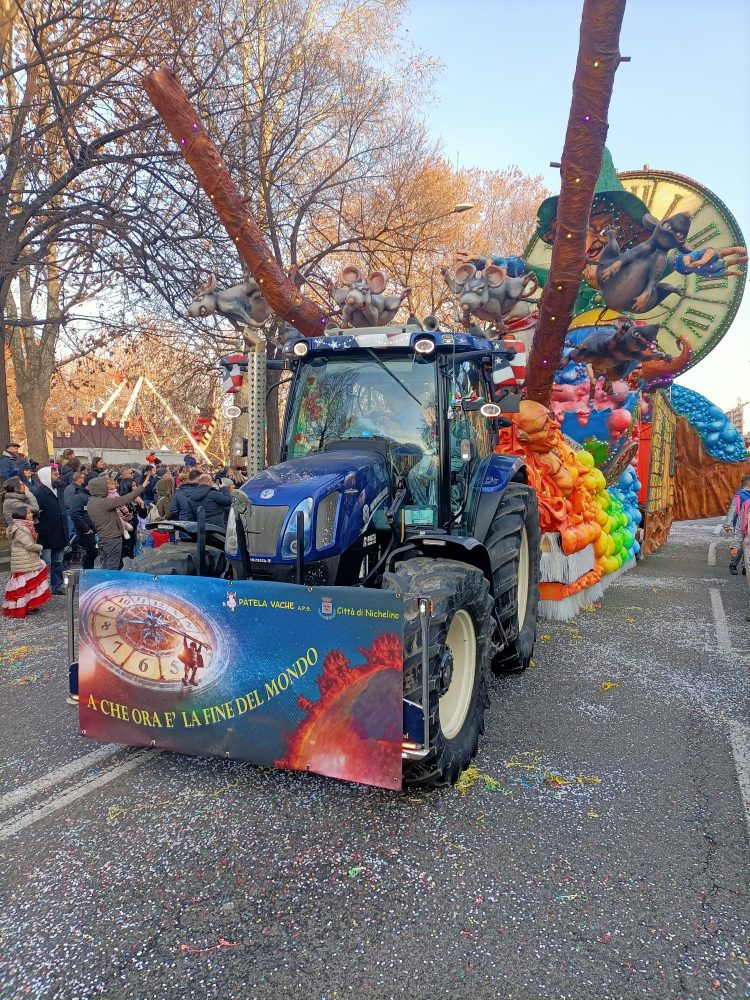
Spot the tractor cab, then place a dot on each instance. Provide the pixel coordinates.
(388, 434)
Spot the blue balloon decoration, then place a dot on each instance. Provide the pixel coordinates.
(626, 491)
(720, 437)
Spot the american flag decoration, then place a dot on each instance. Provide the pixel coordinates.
(235, 367)
(518, 363)
(503, 376)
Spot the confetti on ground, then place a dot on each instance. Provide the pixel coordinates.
(353, 872)
(16, 654)
(608, 685)
(545, 638)
(472, 775)
(204, 951)
(114, 812)
(539, 777)
(25, 679)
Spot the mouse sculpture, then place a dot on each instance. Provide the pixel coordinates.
(615, 350)
(361, 300)
(629, 281)
(489, 294)
(243, 305)
(660, 373)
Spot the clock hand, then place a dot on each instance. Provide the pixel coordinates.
(167, 628)
(186, 635)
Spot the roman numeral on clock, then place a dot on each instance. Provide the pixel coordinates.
(705, 235)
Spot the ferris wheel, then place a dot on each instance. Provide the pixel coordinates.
(134, 420)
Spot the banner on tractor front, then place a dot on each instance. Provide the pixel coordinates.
(306, 678)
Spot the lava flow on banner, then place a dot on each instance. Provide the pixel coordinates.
(306, 678)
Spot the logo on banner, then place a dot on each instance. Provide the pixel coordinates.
(326, 608)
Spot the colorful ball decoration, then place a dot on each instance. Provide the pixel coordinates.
(720, 437)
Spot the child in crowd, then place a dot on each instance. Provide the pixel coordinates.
(27, 588)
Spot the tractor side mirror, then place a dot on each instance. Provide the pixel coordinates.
(510, 402)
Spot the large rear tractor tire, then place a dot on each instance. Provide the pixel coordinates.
(513, 545)
(180, 559)
(460, 645)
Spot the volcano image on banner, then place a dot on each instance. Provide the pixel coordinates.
(305, 678)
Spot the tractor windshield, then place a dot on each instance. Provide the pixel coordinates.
(392, 399)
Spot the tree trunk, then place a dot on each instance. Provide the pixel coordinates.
(181, 119)
(33, 404)
(4, 414)
(598, 59)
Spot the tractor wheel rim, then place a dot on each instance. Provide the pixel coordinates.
(454, 704)
(523, 578)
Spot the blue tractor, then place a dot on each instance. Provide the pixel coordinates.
(389, 478)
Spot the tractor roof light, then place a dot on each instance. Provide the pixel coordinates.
(425, 345)
(301, 348)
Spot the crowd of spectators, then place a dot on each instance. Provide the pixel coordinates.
(96, 514)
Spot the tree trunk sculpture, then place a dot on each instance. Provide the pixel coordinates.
(184, 125)
(598, 59)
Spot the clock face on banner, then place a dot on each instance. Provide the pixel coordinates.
(147, 640)
(704, 315)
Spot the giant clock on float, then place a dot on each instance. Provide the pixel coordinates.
(709, 305)
(704, 315)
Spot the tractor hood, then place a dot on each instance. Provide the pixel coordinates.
(344, 488)
(312, 476)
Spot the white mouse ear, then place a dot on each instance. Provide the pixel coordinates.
(464, 272)
(349, 275)
(495, 275)
(377, 282)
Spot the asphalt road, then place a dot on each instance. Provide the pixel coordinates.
(599, 850)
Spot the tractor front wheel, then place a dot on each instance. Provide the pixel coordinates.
(513, 545)
(179, 559)
(459, 640)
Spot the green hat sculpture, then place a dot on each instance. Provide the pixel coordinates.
(612, 202)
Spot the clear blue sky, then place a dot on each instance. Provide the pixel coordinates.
(681, 104)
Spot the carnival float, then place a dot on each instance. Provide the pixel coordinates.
(629, 280)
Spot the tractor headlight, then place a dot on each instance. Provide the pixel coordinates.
(325, 521)
(301, 348)
(231, 544)
(289, 541)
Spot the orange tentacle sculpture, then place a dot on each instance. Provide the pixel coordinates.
(185, 127)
